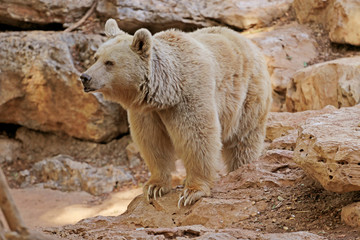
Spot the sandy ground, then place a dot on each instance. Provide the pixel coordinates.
(49, 208)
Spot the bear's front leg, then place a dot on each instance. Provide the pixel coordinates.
(196, 134)
(149, 133)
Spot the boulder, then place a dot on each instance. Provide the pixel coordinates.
(287, 49)
(40, 88)
(350, 214)
(156, 15)
(330, 83)
(65, 174)
(340, 17)
(281, 124)
(41, 14)
(328, 149)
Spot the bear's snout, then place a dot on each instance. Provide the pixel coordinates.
(85, 79)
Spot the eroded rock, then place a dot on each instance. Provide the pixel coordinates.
(39, 13)
(330, 83)
(287, 49)
(188, 15)
(65, 174)
(340, 18)
(328, 149)
(156, 15)
(40, 87)
(281, 124)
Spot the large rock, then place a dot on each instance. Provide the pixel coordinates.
(154, 14)
(159, 14)
(340, 17)
(65, 174)
(328, 149)
(330, 83)
(41, 13)
(281, 124)
(287, 49)
(40, 87)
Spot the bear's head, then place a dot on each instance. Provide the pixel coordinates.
(136, 71)
(121, 64)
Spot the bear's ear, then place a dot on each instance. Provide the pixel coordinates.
(111, 28)
(142, 42)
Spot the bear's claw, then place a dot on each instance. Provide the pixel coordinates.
(190, 196)
(154, 191)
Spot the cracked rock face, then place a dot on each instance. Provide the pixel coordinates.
(328, 149)
(40, 88)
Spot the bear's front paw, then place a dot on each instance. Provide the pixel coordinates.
(190, 196)
(153, 190)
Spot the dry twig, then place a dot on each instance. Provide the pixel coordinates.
(83, 19)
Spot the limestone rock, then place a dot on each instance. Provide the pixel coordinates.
(281, 124)
(40, 87)
(328, 149)
(65, 174)
(351, 214)
(287, 49)
(330, 83)
(39, 13)
(158, 15)
(340, 17)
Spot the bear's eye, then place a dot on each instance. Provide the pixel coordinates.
(109, 63)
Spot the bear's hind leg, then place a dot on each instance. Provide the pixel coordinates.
(241, 150)
(156, 148)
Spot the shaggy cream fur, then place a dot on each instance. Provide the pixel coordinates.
(203, 95)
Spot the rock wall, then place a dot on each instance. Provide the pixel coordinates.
(40, 88)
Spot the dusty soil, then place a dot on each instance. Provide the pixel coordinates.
(303, 207)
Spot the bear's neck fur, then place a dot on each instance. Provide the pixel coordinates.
(161, 87)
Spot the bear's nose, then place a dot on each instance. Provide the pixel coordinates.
(85, 78)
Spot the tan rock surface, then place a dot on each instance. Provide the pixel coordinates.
(37, 13)
(158, 15)
(286, 49)
(351, 214)
(40, 87)
(328, 149)
(241, 196)
(340, 17)
(283, 123)
(154, 14)
(106, 228)
(330, 83)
